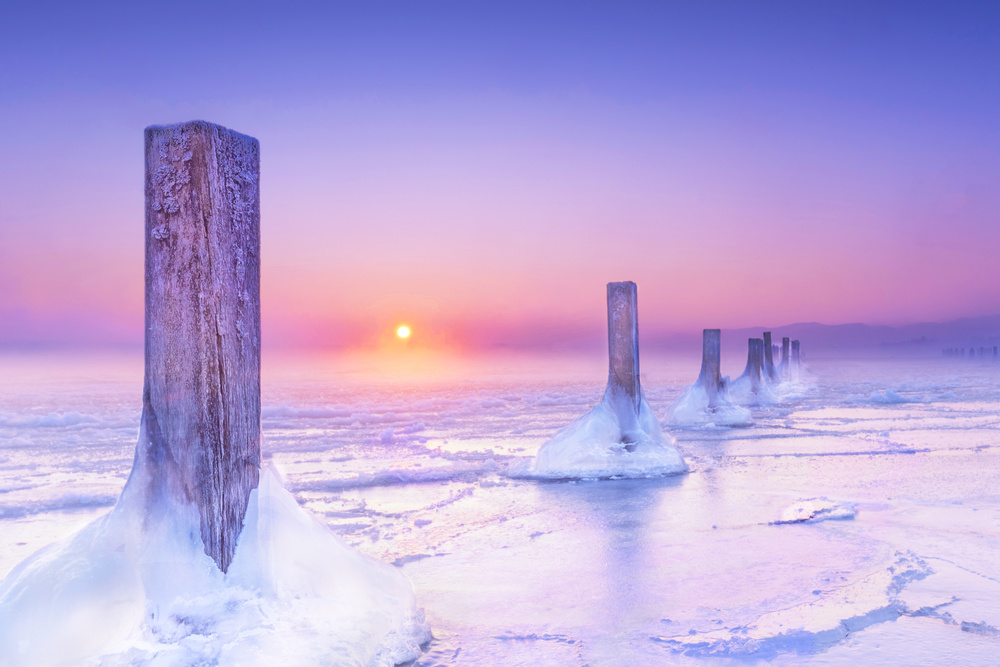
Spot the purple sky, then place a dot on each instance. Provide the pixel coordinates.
(481, 170)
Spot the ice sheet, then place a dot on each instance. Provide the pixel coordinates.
(611, 572)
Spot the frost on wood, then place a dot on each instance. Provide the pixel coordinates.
(199, 441)
(620, 436)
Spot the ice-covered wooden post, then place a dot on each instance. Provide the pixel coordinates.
(199, 442)
(711, 353)
(796, 358)
(786, 366)
(755, 362)
(623, 393)
(769, 370)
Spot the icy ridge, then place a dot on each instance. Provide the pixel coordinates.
(813, 626)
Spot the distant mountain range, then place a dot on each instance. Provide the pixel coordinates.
(925, 337)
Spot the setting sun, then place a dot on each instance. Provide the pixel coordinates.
(403, 331)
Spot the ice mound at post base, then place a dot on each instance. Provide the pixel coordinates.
(135, 590)
(595, 446)
(696, 408)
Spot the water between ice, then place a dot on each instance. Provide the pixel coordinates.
(731, 563)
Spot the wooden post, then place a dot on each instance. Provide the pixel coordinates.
(769, 370)
(711, 352)
(624, 392)
(199, 441)
(796, 359)
(755, 362)
(786, 366)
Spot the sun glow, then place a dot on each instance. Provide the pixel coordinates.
(403, 331)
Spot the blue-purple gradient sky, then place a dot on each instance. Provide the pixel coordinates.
(480, 170)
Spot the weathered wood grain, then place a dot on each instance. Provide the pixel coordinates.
(200, 436)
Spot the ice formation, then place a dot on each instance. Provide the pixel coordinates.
(620, 436)
(814, 510)
(138, 589)
(785, 367)
(707, 401)
(754, 386)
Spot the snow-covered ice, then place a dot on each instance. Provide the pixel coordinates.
(688, 569)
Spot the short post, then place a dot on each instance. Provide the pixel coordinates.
(755, 361)
(623, 392)
(785, 360)
(710, 376)
(199, 442)
(769, 357)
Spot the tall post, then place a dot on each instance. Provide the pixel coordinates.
(769, 357)
(796, 359)
(711, 352)
(199, 443)
(623, 393)
(786, 367)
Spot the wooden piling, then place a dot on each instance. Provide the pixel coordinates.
(769, 369)
(710, 376)
(755, 363)
(200, 434)
(623, 392)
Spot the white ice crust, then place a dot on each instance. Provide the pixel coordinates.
(694, 408)
(814, 510)
(743, 392)
(131, 589)
(592, 447)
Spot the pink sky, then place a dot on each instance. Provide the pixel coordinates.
(487, 200)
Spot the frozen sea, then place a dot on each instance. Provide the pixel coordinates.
(856, 522)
